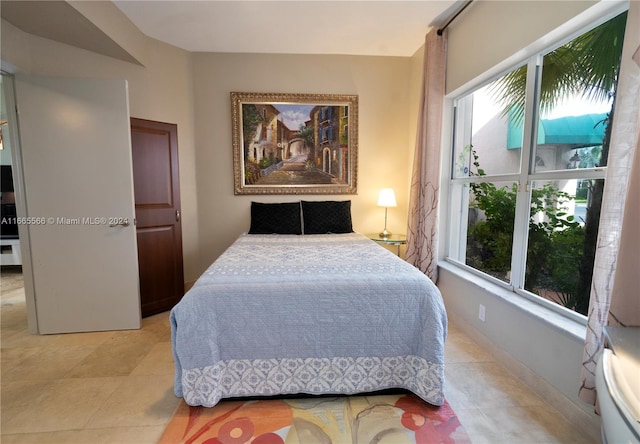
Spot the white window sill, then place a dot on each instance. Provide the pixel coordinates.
(569, 327)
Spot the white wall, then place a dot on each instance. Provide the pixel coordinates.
(5, 154)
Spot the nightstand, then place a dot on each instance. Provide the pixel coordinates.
(394, 239)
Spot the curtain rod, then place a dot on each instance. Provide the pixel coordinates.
(441, 30)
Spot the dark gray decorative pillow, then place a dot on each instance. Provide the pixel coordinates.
(275, 218)
(330, 216)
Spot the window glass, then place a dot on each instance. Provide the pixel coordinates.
(568, 141)
(548, 251)
(489, 220)
(575, 111)
(497, 148)
(557, 240)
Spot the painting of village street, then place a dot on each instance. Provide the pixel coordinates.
(294, 146)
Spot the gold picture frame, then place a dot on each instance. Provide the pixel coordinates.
(319, 155)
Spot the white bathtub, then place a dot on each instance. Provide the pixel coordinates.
(618, 386)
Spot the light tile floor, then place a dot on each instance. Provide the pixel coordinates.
(116, 387)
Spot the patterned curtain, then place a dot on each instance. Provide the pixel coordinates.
(422, 231)
(606, 306)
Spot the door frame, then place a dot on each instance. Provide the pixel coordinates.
(8, 89)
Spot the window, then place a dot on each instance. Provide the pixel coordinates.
(528, 168)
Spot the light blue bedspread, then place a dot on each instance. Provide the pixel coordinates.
(317, 314)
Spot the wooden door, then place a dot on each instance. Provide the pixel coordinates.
(158, 219)
(75, 160)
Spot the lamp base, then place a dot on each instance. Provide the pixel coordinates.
(385, 234)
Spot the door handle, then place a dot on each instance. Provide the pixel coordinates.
(177, 215)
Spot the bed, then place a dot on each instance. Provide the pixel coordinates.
(313, 313)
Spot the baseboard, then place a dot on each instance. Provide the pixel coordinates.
(581, 419)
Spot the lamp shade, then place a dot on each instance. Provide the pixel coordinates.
(387, 198)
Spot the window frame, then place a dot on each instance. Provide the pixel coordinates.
(532, 57)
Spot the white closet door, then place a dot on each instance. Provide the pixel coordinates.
(76, 156)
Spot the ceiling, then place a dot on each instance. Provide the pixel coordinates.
(373, 27)
(57, 20)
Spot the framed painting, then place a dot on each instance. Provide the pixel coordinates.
(294, 143)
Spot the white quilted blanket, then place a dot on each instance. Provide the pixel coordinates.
(317, 314)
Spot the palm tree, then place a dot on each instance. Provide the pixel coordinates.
(587, 66)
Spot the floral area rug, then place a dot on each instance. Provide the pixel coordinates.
(381, 419)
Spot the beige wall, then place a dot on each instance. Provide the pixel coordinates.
(416, 69)
(192, 90)
(490, 32)
(383, 161)
(627, 279)
(487, 38)
(161, 90)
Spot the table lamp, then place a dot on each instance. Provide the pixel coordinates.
(386, 199)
